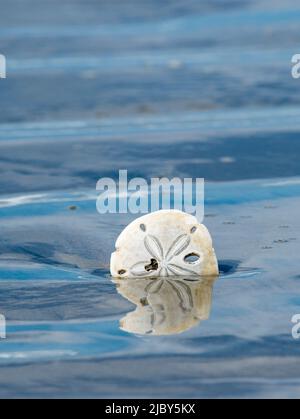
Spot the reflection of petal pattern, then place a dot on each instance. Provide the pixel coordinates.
(156, 251)
(165, 306)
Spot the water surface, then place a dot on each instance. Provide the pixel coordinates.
(188, 89)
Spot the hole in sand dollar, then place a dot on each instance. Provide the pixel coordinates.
(143, 227)
(144, 302)
(153, 266)
(122, 272)
(192, 258)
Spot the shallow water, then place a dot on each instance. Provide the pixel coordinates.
(64, 313)
(175, 102)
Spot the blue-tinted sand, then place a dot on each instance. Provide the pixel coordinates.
(187, 89)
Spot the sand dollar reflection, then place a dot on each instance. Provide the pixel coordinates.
(165, 306)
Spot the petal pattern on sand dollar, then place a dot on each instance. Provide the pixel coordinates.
(154, 247)
(178, 246)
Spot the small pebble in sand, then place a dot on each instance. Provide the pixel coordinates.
(175, 64)
(227, 160)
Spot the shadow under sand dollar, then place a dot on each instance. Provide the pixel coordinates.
(165, 306)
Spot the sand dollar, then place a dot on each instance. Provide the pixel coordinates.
(164, 244)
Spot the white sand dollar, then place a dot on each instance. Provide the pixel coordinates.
(164, 243)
